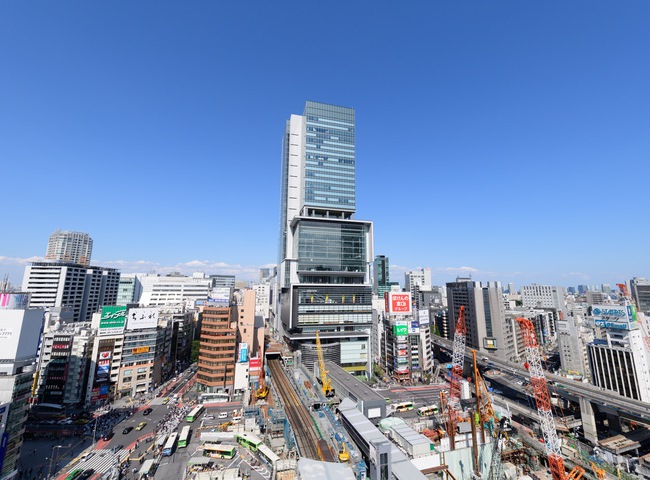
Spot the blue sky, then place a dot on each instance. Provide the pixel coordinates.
(504, 139)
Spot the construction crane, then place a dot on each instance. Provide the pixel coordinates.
(457, 359)
(501, 433)
(326, 382)
(543, 401)
(600, 473)
(451, 419)
(484, 407)
(624, 290)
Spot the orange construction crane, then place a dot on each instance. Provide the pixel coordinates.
(624, 290)
(484, 407)
(457, 359)
(543, 400)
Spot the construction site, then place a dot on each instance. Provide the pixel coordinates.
(321, 422)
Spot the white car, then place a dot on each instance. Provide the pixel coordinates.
(223, 415)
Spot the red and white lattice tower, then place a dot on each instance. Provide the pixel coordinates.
(457, 359)
(542, 399)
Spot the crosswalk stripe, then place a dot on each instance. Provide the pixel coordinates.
(102, 460)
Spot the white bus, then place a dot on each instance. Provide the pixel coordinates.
(428, 410)
(148, 469)
(170, 446)
(267, 455)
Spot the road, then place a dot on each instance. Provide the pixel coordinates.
(626, 407)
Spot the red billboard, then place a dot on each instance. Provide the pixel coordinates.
(255, 363)
(398, 302)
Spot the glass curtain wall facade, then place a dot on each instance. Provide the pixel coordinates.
(324, 255)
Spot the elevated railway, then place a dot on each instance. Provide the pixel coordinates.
(308, 440)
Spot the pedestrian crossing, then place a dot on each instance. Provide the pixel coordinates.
(101, 460)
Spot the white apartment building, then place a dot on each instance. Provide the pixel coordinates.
(83, 289)
(67, 246)
(543, 296)
(417, 279)
(262, 299)
(174, 289)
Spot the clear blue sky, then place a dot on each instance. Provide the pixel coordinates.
(508, 139)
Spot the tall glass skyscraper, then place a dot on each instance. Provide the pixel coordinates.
(324, 254)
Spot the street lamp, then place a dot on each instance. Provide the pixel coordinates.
(49, 470)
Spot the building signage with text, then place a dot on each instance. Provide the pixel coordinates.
(398, 302)
(620, 317)
(142, 318)
(113, 320)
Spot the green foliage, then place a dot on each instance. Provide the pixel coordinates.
(195, 350)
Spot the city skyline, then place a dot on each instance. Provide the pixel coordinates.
(504, 141)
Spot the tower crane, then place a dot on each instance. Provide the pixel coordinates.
(543, 401)
(484, 407)
(326, 382)
(457, 359)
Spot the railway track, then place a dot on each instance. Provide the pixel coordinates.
(307, 438)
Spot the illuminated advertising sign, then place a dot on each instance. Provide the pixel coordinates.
(619, 317)
(142, 318)
(102, 373)
(105, 355)
(113, 320)
(138, 350)
(398, 302)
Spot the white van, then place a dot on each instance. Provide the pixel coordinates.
(223, 414)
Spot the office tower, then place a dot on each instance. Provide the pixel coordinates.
(216, 366)
(416, 281)
(71, 247)
(82, 289)
(582, 289)
(640, 291)
(487, 329)
(222, 281)
(380, 275)
(21, 332)
(64, 364)
(606, 288)
(324, 254)
(511, 289)
(129, 289)
(174, 289)
(543, 296)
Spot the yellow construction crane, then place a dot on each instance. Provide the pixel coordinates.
(325, 381)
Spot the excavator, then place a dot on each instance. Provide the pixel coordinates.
(344, 455)
(262, 392)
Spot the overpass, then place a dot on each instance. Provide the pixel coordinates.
(585, 394)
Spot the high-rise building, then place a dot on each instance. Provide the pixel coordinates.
(216, 366)
(380, 275)
(21, 331)
(71, 247)
(543, 296)
(174, 289)
(324, 254)
(640, 290)
(130, 288)
(416, 282)
(60, 284)
(487, 329)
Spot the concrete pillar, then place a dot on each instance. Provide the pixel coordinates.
(614, 423)
(588, 421)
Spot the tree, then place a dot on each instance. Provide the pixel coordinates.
(195, 350)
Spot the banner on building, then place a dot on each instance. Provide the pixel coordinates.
(113, 320)
(139, 350)
(397, 303)
(400, 330)
(142, 318)
(423, 317)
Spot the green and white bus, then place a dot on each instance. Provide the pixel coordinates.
(194, 414)
(249, 441)
(218, 450)
(184, 438)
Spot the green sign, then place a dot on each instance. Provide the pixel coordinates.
(113, 319)
(400, 330)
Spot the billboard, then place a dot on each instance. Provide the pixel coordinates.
(398, 302)
(219, 295)
(423, 317)
(255, 363)
(138, 350)
(15, 301)
(105, 355)
(619, 317)
(414, 327)
(112, 320)
(142, 318)
(243, 352)
(102, 372)
(400, 330)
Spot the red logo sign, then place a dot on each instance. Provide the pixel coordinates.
(400, 303)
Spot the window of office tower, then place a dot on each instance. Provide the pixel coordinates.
(331, 247)
(329, 156)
